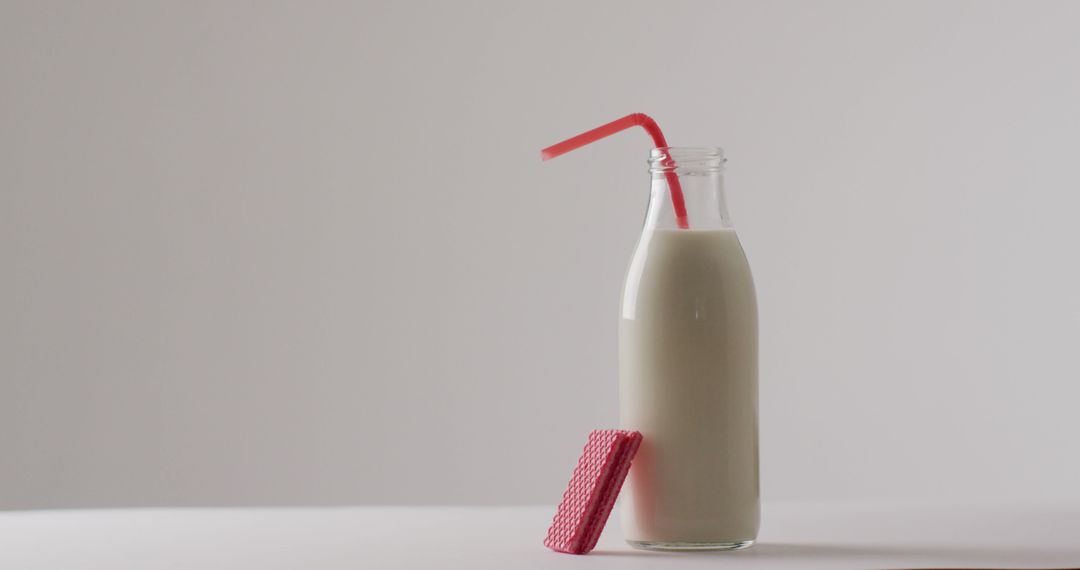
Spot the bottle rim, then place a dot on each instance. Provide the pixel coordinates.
(686, 159)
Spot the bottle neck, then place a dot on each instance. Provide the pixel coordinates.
(700, 175)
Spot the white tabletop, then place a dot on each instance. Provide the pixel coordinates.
(794, 536)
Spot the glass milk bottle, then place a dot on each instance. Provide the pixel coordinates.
(688, 367)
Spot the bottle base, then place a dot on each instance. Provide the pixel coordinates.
(689, 546)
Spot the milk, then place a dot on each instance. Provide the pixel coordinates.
(688, 365)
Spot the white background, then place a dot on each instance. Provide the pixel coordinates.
(306, 253)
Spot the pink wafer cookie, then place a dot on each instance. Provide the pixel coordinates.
(593, 488)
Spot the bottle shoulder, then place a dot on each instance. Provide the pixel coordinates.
(677, 272)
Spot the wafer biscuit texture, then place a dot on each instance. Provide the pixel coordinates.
(592, 491)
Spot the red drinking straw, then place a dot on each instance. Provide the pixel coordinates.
(637, 119)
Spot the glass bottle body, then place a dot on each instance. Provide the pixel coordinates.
(688, 368)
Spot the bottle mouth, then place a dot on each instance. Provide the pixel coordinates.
(687, 159)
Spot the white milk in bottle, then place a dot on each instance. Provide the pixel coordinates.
(688, 367)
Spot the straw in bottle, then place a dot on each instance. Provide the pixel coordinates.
(633, 120)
